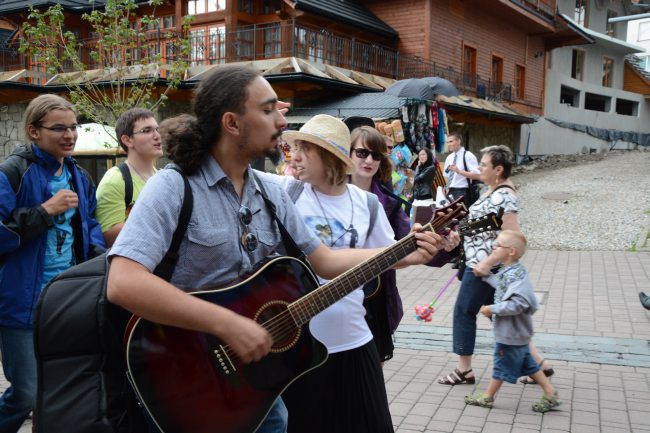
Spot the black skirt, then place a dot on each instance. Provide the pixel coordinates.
(347, 394)
(377, 320)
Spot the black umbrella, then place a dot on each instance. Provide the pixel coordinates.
(414, 88)
(441, 86)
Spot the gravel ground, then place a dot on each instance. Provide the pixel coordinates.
(591, 203)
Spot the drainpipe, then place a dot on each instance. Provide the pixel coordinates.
(293, 37)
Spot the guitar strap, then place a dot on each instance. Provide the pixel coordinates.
(292, 248)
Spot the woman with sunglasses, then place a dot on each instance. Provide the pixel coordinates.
(373, 171)
(347, 393)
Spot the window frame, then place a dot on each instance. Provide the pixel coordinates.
(520, 81)
(608, 73)
(578, 56)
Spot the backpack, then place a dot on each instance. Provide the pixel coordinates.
(82, 385)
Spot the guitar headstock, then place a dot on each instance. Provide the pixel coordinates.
(485, 223)
(447, 216)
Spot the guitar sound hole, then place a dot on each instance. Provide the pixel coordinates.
(275, 317)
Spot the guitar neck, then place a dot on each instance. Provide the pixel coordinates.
(303, 309)
(318, 300)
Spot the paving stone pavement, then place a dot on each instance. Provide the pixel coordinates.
(591, 326)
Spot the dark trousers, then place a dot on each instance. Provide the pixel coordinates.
(473, 294)
(454, 193)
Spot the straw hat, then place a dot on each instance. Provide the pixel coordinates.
(327, 132)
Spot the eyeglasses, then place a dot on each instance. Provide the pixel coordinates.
(248, 239)
(148, 130)
(496, 245)
(61, 129)
(362, 153)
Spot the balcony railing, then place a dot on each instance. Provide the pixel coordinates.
(213, 45)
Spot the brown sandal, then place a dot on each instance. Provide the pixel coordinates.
(457, 377)
(548, 372)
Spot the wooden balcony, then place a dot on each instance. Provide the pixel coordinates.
(213, 45)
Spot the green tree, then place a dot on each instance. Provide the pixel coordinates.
(119, 67)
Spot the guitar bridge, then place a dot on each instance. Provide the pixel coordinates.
(223, 360)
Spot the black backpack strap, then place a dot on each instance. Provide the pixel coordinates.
(128, 183)
(166, 267)
(289, 243)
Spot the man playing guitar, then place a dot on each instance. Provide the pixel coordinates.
(231, 229)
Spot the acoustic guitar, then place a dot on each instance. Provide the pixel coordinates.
(192, 382)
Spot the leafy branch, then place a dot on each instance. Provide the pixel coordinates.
(120, 66)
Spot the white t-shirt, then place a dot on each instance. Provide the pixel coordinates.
(342, 325)
(458, 180)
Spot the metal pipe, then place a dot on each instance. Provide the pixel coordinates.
(628, 18)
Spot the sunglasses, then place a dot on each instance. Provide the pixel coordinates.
(248, 239)
(362, 153)
(354, 237)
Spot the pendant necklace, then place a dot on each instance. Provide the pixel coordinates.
(327, 219)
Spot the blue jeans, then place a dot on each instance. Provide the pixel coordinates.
(277, 420)
(473, 294)
(19, 366)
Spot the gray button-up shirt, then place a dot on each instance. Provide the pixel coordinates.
(211, 253)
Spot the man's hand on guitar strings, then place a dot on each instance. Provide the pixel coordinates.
(250, 341)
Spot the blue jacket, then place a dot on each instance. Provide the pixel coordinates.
(24, 178)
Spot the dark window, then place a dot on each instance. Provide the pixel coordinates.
(578, 64)
(596, 102)
(627, 108)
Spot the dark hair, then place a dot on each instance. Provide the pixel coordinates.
(501, 156)
(429, 157)
(457, 136)
(124, 123)
(376, 142)
(188, 139)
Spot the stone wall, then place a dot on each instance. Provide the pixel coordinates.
(11, 127)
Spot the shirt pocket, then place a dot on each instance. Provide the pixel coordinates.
(204, 247)
(268, 242)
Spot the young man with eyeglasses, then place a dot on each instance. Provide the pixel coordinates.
(47, 225)
(238, 119)
(138, 136)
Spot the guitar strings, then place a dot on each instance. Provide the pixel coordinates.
(283, 325)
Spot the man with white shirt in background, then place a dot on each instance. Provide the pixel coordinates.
(137, 133)
(461, 166)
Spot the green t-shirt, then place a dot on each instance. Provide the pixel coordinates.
(110, 198)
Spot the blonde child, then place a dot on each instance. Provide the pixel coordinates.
(512, 311)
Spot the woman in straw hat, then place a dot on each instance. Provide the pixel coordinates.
(347, 393)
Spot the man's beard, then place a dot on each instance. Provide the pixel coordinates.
(275, 155)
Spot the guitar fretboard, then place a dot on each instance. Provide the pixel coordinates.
(318, 300)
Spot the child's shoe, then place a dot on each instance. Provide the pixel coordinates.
(547, 403)
(479, 399)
